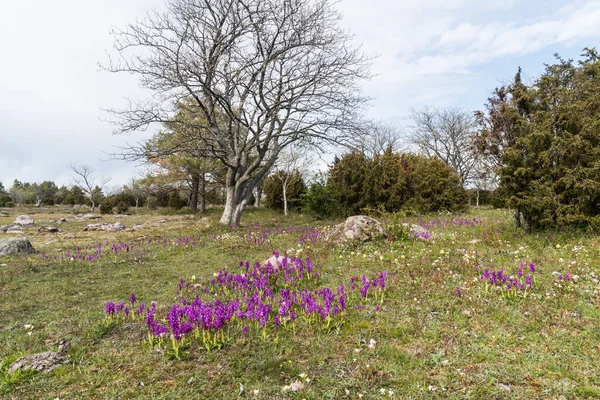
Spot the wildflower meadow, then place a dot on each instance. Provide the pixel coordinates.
(272, 310)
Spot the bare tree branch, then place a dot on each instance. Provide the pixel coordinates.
(447, 134)
(259, 74)
(85, 178)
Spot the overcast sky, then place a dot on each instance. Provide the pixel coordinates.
(430, 52)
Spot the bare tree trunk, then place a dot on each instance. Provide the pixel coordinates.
(137, 201)
(92, 205)
(202, 193)
(257, 195)
(528, 222)
(517, 217)
(238, 196)
(477, 198)
(232, 213)
(194, 195)
(285, 202)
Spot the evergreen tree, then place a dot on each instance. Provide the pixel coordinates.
(544, 141)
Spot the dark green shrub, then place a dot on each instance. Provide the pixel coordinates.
(176, 201)
(322, 200)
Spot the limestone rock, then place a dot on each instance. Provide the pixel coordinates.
(417, 231)
(43, 362)
(15, 245)
(3, 214)
(15, 229)
(24, 220)
(49, 229)
(86, 217)
(356, 228)
(116, 227)
(4, 228)
(274, 260)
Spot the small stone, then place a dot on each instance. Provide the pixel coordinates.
(297, 386)
(505, 386)
(466, 313)
(49, 229)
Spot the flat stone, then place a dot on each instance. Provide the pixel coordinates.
(43, 362)
(49, 229)
(15, 246)
(116, 227)
(4, 228)
(86, 217)
(15, 229)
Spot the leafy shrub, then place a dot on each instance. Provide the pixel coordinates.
(4, 200)
(395, 228)
(321, 200)
(107, 206)
(175, 201)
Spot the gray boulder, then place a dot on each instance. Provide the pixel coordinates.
(4, 228)
(24, 220)
(3, 214)
(15, 246)
(43, 362)
(356, 228)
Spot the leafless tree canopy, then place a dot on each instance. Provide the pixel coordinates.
(448, 135)
(84, 176)
(260, 74)
(376, 137)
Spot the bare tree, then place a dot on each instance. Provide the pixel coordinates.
(483, 179)
(295, 158)
(135, 189)
(377, 137)
(262, 74)
(447, 134)
(85, 178)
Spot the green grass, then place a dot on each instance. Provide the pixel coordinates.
(431, 342)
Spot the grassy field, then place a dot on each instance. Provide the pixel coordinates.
(440, 328)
